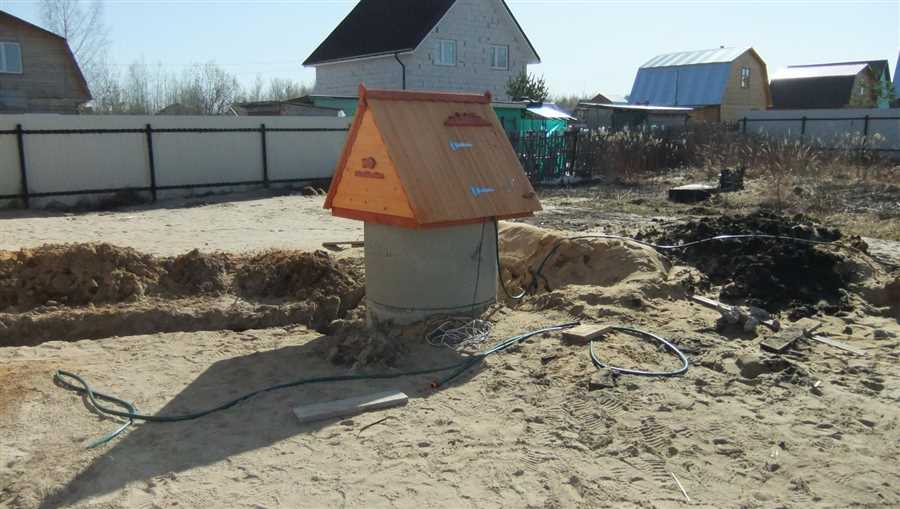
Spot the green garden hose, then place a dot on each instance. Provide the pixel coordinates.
(62, 378)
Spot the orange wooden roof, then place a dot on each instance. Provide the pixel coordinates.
(419, 159)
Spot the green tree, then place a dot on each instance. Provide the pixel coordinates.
(527, 87)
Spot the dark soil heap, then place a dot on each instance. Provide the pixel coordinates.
(775, 275)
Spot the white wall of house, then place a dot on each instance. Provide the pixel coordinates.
(77, 162)
(475, 25)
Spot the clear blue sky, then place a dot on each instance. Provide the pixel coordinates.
(587, 46)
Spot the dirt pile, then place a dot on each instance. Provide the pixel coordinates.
(596, 271)
(772, 274)
(88, 291)
(75, 275)
(198, 273)
(297, 275)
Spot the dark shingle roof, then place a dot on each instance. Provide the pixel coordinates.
(383, 27)
(379, 27)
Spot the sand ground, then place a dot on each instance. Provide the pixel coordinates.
(817, 428)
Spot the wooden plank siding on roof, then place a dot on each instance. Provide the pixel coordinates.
(450, 174)
(738, 101)
(50, 82)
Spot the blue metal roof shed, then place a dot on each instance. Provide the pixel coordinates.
(689, 78)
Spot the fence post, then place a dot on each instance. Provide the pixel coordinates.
(574, 165)
(744, 131)
(803, 129)
(152, 161)
(23, 169)
(265, 156)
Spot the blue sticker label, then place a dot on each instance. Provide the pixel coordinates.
(459, 145)
(478, 191)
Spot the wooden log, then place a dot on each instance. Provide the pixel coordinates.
(350, 406)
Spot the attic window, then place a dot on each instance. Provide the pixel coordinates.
(446, 52)
(10, 58)
(500, 57)
(745, 77)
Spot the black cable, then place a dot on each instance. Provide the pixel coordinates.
(62, 379)
(500, 265)
(643, 334)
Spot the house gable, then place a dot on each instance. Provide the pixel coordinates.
(693, 78)
(50, 81)
(475, 26)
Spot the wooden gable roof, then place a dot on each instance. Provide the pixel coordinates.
(8, 18)
(419, 160)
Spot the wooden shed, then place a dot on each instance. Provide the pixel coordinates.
(430, 175)
(425, 160)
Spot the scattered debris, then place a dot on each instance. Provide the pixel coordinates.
(683, 491)
(350, 406)
(341, 246)
(747, 317)
(732, 180)
(783, 340)
(836, 344)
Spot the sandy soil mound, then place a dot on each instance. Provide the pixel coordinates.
(90, 291)
(75, 275)
(771, 274)
(197, 272)
(586, 262)
(296, 275)
(587, 272)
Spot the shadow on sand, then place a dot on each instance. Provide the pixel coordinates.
(148, 450)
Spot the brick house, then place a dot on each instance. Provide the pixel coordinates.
(441, 45)
(38, 73)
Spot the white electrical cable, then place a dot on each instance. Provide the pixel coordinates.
(458, 333)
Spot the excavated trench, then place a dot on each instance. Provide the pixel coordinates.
(91, 291)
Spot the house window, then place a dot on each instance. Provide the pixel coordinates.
(446, 52)
(500, 57)
(10, 58)
(745, 77)
(862, 90)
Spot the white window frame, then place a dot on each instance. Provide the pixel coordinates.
(863, 90)
(745, 77)
(441, 45)
(494, 49)
(3, 69)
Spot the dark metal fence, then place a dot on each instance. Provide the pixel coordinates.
(548, 158)
(26, 194)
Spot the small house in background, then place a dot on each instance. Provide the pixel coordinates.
(618, 117)
(827, 86)
(299, 107)
(720, 85)
(38, 72)
(524, 117)
(897, 83)
(609, 99)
